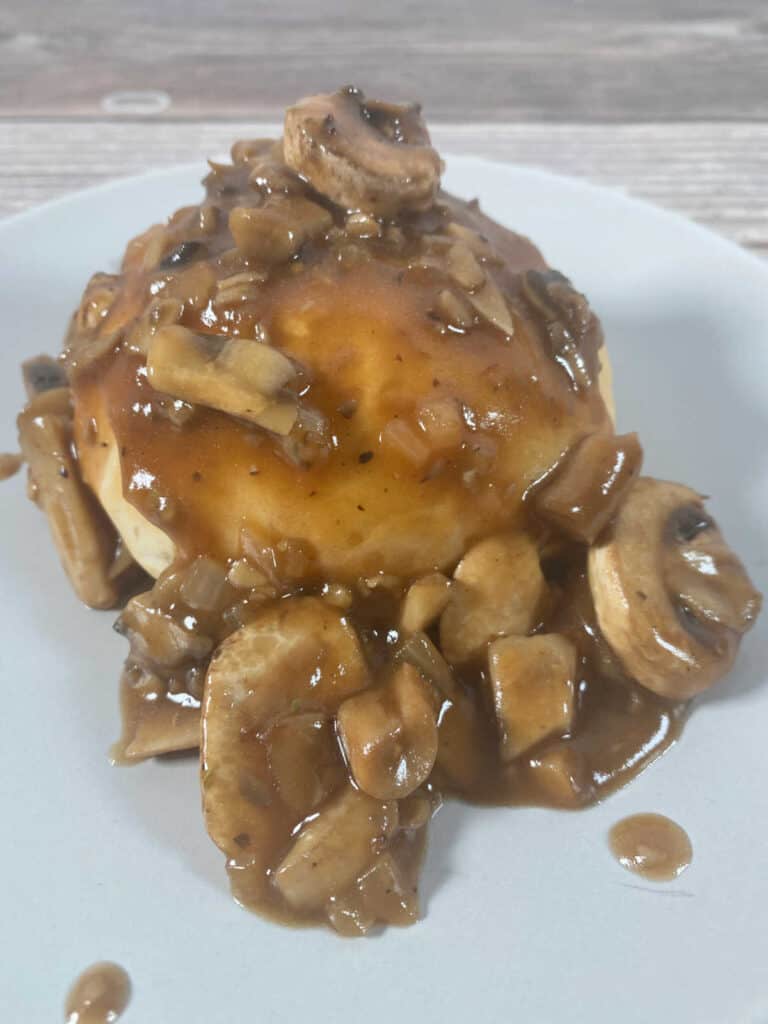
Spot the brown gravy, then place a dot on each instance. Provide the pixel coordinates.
(651, 846)
(99, 996)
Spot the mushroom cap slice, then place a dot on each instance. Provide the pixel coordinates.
(671, 598)
(364, 156)
(299, 655)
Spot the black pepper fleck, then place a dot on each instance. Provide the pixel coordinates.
(197, 477)
(364, 457)
(361, 508)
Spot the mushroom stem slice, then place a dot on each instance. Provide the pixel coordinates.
(586, 491)
(671, 599)
(83, 535)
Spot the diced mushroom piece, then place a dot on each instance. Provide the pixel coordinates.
(204, 584)
(303, 757)
(297, 656)
(498, 590)
(384, 893)
(424, 602)
(491, 304)
(362, 155)
(335, 848)
(389, 735)
(533, 681)
(155, 721)
(157, 637)
(463, 267)
(244, 576)
(237, 376)
(672, 599)
(83, 535)
(398, 436)
(454, 309)
(275, 232)
(42, 373)
(557, 777)
(586, 491)
(442, 425)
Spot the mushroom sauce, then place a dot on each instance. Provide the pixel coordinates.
(99, 996)
(353, 443)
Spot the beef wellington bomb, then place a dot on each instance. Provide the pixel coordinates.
(360, 438)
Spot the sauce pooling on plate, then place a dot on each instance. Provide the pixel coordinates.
(99, 996)
(651, 846)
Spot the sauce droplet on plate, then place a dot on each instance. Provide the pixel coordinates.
(99, 996)
(652, 846)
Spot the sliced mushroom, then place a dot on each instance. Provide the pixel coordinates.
(498, 590)
(424, 602)
(83, 535)
(671, 598)
(296, 657)
(389, 734)
(363, 156)
(237, 376)
(335, 848)
(533, 683)
(273, 233)
(585, 492)
(465, 742)
(573, 331)
(303, 757)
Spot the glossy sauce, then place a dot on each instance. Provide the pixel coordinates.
(651, 846)
(99, 996)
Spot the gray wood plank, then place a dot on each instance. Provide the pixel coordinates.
(492, 60)
(714, 173)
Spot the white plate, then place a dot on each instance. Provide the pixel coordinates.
(528, 918)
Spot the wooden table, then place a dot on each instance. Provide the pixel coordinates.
(665, 98)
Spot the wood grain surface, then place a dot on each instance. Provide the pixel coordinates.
(665, 98)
